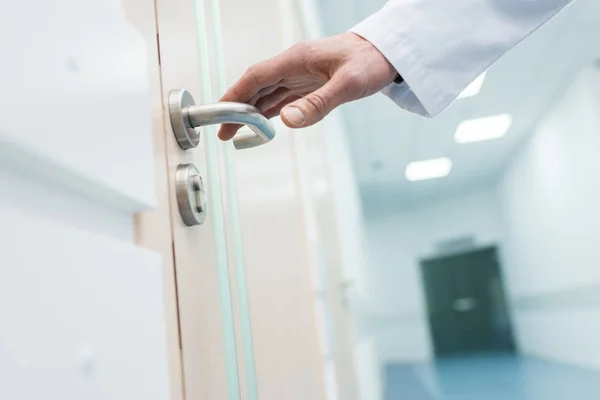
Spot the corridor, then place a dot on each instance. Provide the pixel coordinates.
(490, 378)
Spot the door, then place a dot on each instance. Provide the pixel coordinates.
(466, 303)
(245, 315)
(82, 303)
(88, 310)
(209, 349)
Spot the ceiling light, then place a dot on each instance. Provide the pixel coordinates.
(488, 128)
(428, 169)
(474, 88)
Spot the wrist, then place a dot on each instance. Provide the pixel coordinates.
(376, 57)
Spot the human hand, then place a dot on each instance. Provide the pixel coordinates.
(309, 80)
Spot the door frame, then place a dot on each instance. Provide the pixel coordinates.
(153, 227)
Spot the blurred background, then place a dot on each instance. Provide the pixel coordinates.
(482, 225)
(376, 255)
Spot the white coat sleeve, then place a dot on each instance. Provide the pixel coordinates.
(440, 46)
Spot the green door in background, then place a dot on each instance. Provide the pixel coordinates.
(466, 303)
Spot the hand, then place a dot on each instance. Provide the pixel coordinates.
(306, 82)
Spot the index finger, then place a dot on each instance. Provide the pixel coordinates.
(264, 74)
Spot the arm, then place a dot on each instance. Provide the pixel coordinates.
(437, 46)
(440, 46)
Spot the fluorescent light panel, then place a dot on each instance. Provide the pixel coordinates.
(474, 88)
(480, 129)
(428, 169)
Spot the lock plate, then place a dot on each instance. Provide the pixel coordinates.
(191, 197)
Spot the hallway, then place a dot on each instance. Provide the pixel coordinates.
(490, 378)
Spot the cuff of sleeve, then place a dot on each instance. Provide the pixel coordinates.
(420, 92)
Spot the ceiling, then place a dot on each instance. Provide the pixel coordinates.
(525, 83)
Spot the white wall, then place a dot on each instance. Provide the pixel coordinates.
(543, 214)
(550, 197)
(398, 314)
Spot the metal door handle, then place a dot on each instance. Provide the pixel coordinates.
(186, 116)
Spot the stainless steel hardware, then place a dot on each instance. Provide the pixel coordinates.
(191, 198)
(187, 117)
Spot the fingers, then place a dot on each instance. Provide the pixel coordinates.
(273, 95)
(265, 74)
(261, 80)
(276, 109)
(264, 103)
(228, 131)
(312, 108)
(268, 90)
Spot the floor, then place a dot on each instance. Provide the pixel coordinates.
(490, 378)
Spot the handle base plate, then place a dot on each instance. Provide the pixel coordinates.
(187, 136)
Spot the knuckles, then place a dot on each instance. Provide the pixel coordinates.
(316, 102)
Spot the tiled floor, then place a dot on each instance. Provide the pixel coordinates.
(491, 378)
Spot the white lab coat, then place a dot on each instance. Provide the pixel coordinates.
(440, 46)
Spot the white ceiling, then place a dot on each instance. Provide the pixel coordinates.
(525, 83)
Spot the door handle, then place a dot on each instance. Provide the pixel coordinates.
(186, 116)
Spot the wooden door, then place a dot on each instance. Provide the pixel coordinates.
(245, 302)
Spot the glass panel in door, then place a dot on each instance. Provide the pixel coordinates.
(189, 49)
(236, 251)
(208, 40)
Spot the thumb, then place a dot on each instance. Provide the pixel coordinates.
(313, 107)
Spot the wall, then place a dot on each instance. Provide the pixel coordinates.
(550, 197)
(544, 215)
(398, 314)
